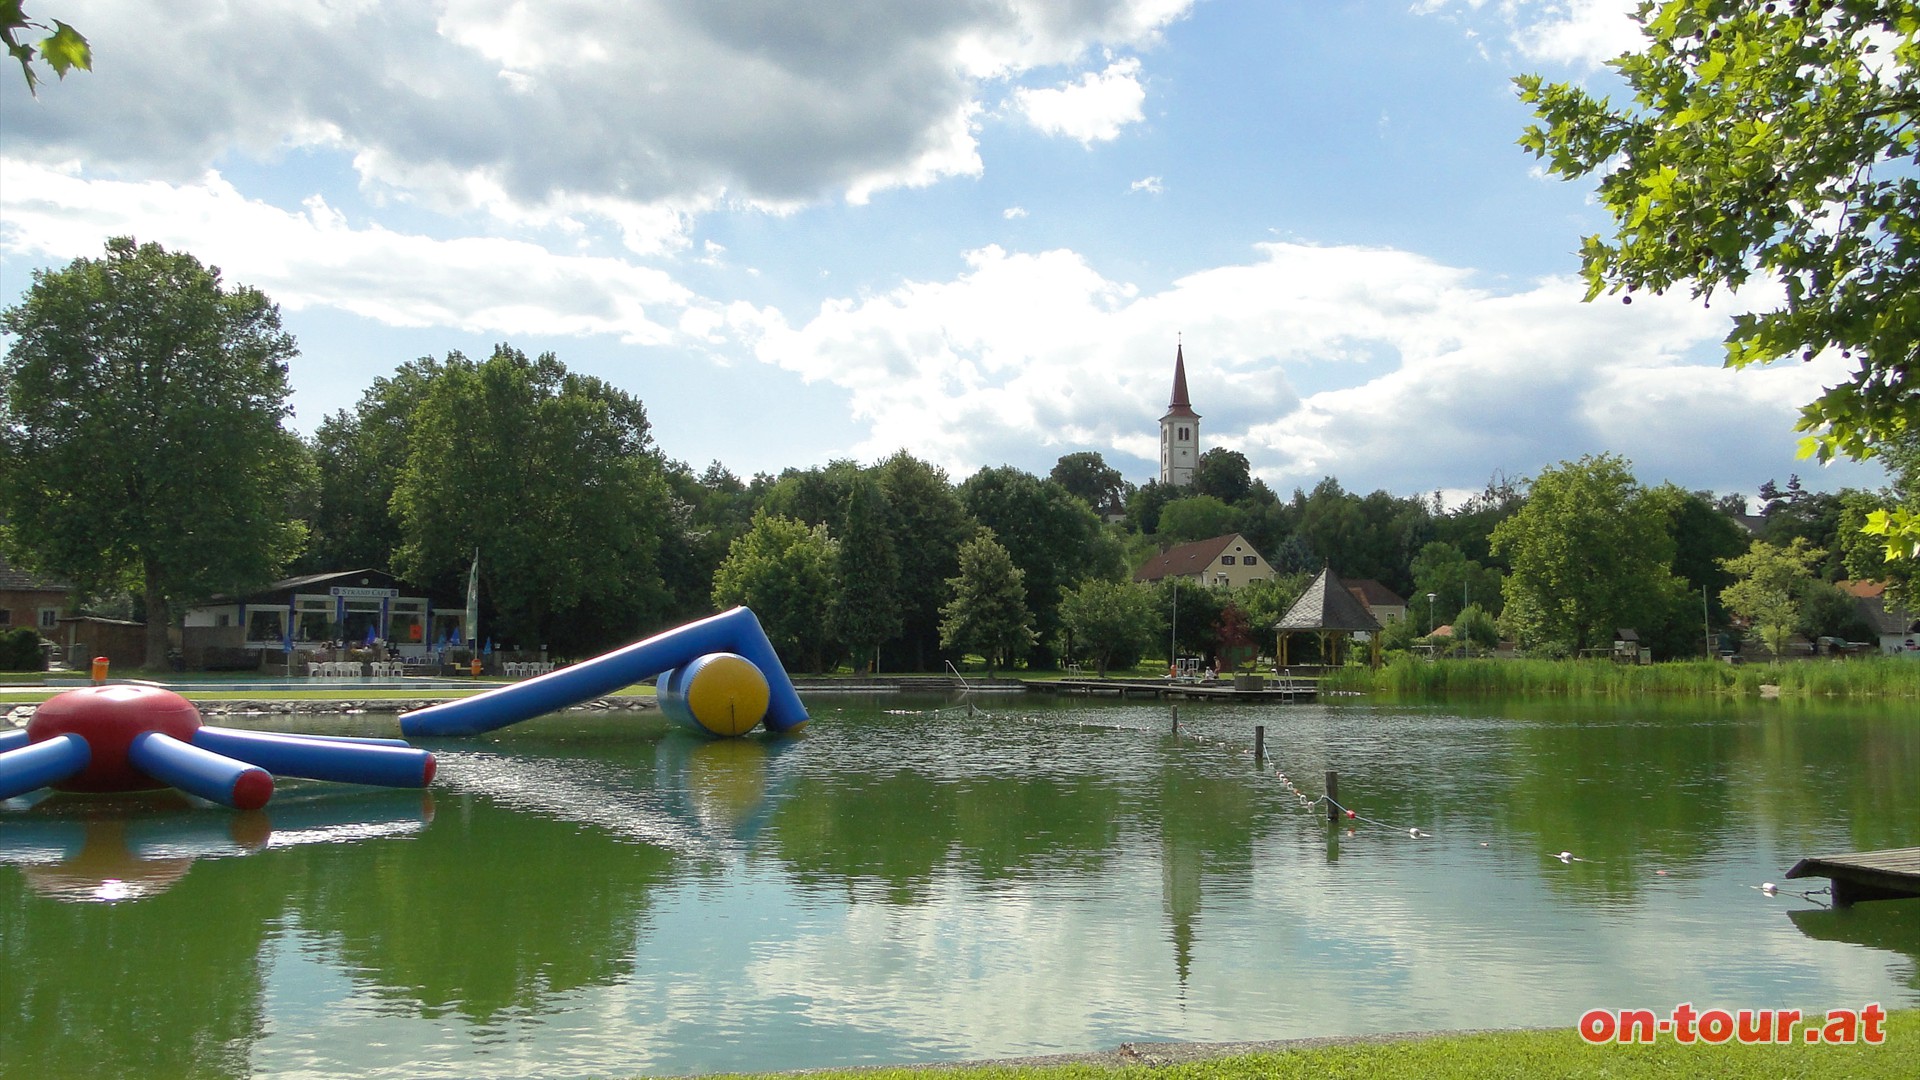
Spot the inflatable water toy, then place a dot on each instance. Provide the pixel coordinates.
(132, 737)
(719, 675)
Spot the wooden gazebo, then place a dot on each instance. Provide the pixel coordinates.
(1328, 610)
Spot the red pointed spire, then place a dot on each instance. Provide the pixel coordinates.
(1180, 405)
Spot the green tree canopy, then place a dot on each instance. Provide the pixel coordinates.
(142, 437)
(1196, 517)
(1224, 474)
(553, 477)
(928, 523)
(988, 613)
(1111, 621)
(1052, 537)
(1091, 480)
(359, 456)
(1590, 553)
(784, 570)
(1455, 581)
(1770, 587)
(1775, 142)
(866, 604)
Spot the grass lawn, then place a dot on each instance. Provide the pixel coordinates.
(1521, 1055)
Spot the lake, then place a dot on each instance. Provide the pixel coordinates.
(913, 881)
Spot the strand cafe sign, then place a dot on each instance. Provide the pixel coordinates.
(349, 592)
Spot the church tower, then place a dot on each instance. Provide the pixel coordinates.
(1179, 429)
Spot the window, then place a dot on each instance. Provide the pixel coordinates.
(266, 626)
(49, 617)
(6, 617)
(1251, 560)
(407, 622)
(361, 623)
(1226, 560)
(313, 618)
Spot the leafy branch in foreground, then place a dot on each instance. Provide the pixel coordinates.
(63, 50)
(1773, 143)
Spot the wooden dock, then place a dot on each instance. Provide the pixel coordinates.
(1866, 875)
(1270, 690)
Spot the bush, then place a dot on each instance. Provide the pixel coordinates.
(20, 650)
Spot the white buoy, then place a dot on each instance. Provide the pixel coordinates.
(1769, 888)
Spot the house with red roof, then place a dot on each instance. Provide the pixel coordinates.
(1229, 561)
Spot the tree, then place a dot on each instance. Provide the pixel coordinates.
(63, 49)
(1775, 142)
(1091, 480)
(1589, 553)
(866, 607)
(1769, 587)
(142, 437)
(1189, 616)
(1196, 517)
(1145, 502)
(1224, 474)
(928, 523)
(1455, 581)
(1110, 620)
(988, 612)
(784, 570)
(1052, 537)
(1267, 602)
(552, 475)
(359, 456)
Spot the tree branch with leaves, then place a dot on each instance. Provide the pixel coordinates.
(62, 48)
(1768, 143)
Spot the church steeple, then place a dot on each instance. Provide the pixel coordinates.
(1180, 428)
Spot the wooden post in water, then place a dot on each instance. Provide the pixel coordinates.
(1259, 743)
(1176, 719)
(1333, 795)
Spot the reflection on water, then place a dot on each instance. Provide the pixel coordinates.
(910, 881)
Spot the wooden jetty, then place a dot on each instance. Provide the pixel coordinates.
(1866, 875)
(1269, 690)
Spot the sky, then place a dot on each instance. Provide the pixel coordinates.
(976, 230)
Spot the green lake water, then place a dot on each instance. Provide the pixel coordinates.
(594, 895)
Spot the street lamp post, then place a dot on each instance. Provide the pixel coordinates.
(1430, 614)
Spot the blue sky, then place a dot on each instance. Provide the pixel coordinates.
(975, 231)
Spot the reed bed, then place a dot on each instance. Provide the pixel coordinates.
(1862, 677)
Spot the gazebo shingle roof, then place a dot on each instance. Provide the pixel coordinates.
(1327, 605)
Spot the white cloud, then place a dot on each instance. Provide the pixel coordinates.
(1094, 109)
(1149, 184)
(315, 259)
(544, 112)
(1014, 213)
(1573, 32)
(1373, 365)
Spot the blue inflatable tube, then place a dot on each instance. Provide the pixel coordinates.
(197, 771)
(42, 764)
(735, 631)
(322, 759)
(13, 739)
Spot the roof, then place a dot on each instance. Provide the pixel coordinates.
(1183, 560)
(13, 580)
(1870, 599)
(305, 582)
(1327, 605)
(1179, 405)
(1373, 594)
